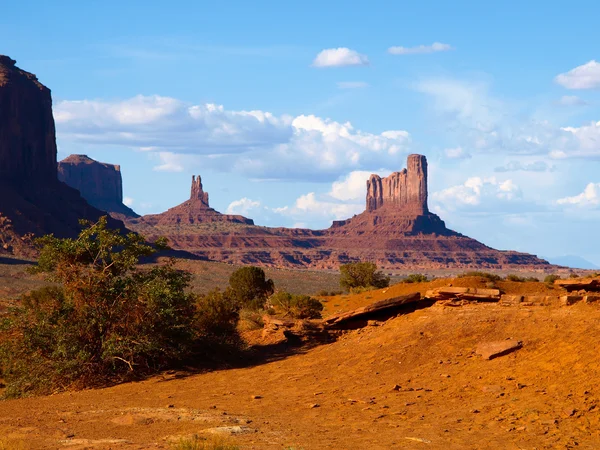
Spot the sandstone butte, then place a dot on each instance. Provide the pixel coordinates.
(396, 231)
(99, 183)
(33, 198)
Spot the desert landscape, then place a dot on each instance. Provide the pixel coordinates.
(317, 298)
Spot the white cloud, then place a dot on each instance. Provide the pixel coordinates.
(586, 76)
(128, 201)
(571, 100)
(310, 207)
(420, 49)
(340, 57)
(255, 143)
(242, 206)
(589, 197)
(456, 153)
(476, 192)
(352, 84)
(353, 186)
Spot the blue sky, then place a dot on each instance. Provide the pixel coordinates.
(284, 108)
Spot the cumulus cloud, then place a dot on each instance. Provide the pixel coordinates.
(311, 207)
(354, 185)
(535, 166)
(589, 197)
(242, 206)
(255, 143)
(352, 84)
(420, 49)
(586, 76)
(571, 100)
(128, 201)
(476, 192)
(456, 153)
(340, 57)
(477, 120)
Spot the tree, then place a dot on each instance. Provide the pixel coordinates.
(362, 274)
(250, 286)
(105, 320)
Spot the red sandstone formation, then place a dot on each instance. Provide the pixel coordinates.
(396, 231)
(32, 197)
(27, 144)
(196, 210)
(99, 183)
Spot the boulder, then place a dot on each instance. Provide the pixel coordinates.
(576, 284)
(566, 300)
(510, 300)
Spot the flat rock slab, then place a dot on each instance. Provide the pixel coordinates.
(386, 305)
(490, 350)
(576, 284)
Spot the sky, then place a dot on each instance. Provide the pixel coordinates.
(285, 108)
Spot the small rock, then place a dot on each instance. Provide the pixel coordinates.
(490, 350)
(475, 411)
(171, 406)
(396, 387)
(256, 397)
(314, 405)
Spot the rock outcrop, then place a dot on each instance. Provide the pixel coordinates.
(33, 198)
(99, 183)
(27, 142)
(194, 211)
(396, 231)
(406, 190)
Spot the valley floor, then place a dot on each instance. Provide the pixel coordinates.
(412, 382)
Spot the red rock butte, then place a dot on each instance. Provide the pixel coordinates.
(396, 231)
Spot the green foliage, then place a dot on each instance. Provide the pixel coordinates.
(250, 287)
(362, 274)
(217, 315)
(573, 275)
(550, 279)
(106, 320)
(416, 278)
(516, 278)
(326, 293)
(204, 443)
(296, 306)
(489, 276)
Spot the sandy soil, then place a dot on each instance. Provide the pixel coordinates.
(414, 381)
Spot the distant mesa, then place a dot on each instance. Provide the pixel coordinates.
(32, 196)
(396, 231)
(99, 183)
(196, 210)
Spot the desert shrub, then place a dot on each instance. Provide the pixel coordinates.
(204, 443)
(361, 289)
(487, 275)
(516, 278)
(533, 279)
(362, 274)
(296, 306)
(250, 287)
(326, 293)
(105, 321)
(217, 315)
(550, 279)
(573, 275)
(415, 278)
(252, 319)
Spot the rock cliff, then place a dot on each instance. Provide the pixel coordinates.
(27, 142)
(33, 198)
(99, 183)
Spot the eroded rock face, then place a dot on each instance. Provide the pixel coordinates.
(197, 193)
(32, 197)
(99, 183)
(403, 191)
(27, 136)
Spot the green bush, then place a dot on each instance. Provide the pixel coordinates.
(250, 287)
(106, 320)
(550, 279)
(416, 278)
(533, 279)
(296, 306)
(489, 276)
(204, 443)
(362, 274)
(516, 278)
(217, 315)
